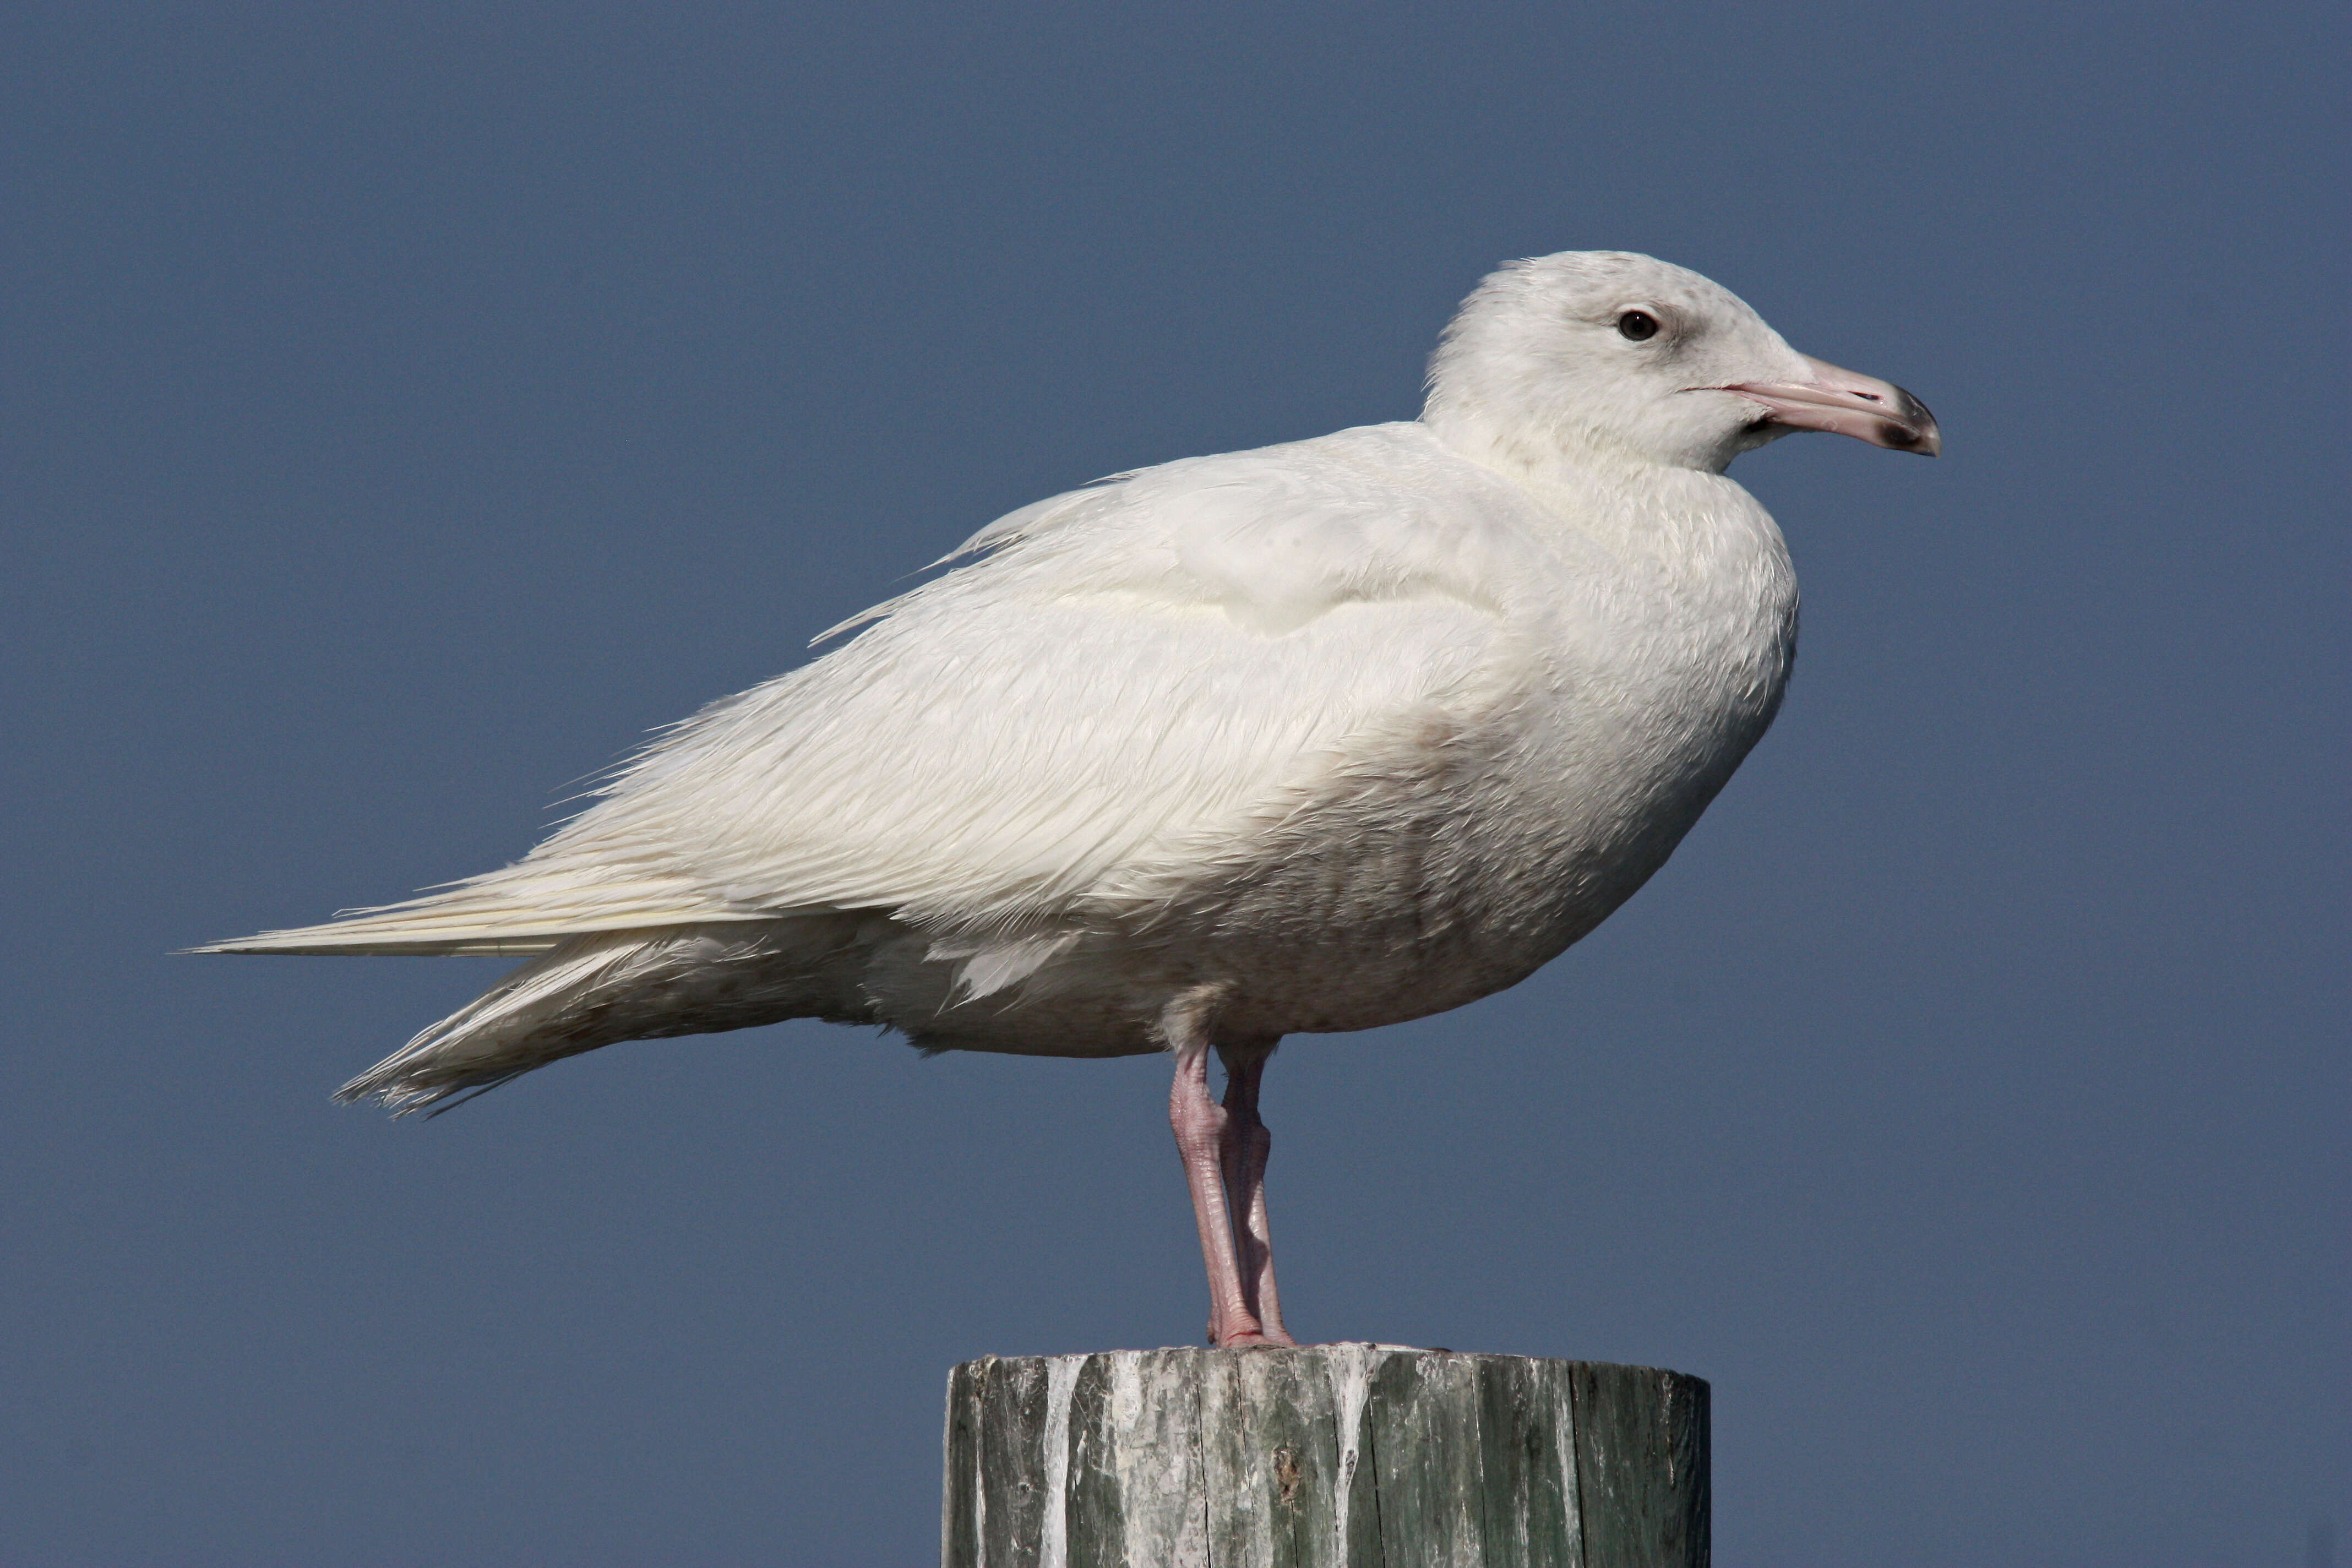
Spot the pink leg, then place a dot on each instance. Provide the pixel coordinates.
(1205, 1133)
(1245, 1145)
(1200, 1124)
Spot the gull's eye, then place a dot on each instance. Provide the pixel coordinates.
(1639, 325)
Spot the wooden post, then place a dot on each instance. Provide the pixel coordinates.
(1337, 1457)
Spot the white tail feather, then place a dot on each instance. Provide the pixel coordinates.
(607, 986)
(503, 1032)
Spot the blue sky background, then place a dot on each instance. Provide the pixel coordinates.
(408, 406)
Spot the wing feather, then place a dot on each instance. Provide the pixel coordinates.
(1121, 671)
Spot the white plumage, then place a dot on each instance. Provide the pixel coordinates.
(1316, 737)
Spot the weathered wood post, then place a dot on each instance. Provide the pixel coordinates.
(1361, 1456)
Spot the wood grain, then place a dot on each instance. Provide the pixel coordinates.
(1334, 1457)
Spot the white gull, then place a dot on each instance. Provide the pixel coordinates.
(1317, 737)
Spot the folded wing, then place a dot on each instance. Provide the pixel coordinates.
(1121, 673)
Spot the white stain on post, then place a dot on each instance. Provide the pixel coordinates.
(1155, 1444)
(1350, 1369)
(1061, 1377)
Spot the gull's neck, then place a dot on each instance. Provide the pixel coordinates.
(1601, 486)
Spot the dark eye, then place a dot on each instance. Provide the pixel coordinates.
(1639, 325)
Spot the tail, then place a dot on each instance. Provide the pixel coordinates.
(530, 1018)
(607, 986)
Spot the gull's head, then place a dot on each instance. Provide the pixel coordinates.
(1593, 354)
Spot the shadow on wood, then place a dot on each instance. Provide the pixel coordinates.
(1361, 1456)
